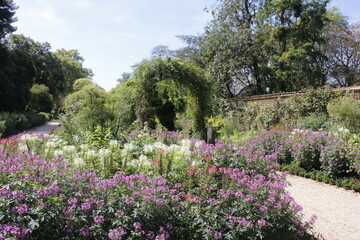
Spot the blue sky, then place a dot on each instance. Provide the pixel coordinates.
(113, 35)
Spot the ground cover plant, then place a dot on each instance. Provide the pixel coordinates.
(168, 187)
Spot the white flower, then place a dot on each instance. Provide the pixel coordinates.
(144, 160)
(91, 154)
(185, 151)
(50, 145)
(160, 145)
(84, 147)
(128, 147)
(29, 137)
(198, 144)
(69, 149)
(148, 148)
(104, 153)
(79, 162)
(113, 144)
(58, 153)
(23, 147)
(185, 142)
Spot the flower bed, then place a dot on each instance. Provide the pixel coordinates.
(184, 189)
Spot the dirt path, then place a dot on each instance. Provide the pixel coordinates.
(46, 128)
(337, 209)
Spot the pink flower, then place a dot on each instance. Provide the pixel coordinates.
(99, 219)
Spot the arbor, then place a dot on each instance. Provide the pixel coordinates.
(160, 89)
(7, 12)
(254, 44)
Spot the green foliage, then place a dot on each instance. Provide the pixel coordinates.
(35, 119)
(251, 45)
(345, 111)
(41, 100)
(161, 90)
(87, 108)
(2, 127)
(7, 13)
(14, 122)
(313, 121)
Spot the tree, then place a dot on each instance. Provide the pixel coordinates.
(7, 12)
(72, 66)
(87, 104)
(191, 52)
(41, 100)
(124, 77)
(254, 44)
(342, 50)
(161, 51)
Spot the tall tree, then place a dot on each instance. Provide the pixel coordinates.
(7, 12)
(72, 67)
(342, 50)
(254, 44)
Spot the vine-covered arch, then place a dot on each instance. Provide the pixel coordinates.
(168, 86)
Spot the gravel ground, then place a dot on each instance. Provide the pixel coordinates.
(46, 128)
(337, 209)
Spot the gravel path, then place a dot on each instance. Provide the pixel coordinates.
(337, 209)
(46, 128)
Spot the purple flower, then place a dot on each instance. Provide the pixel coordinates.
(137, 225)
(217, 235)
(261, 222)
(119, 213)
(212, 201)
(129, 201)
(85, 232)
(116, 233)
(21, 209)
(160, 201)
(72, 201)
(175, 198)
(150, 235)
(249, 198)
(99, 219)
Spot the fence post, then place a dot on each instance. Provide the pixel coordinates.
(209, 133)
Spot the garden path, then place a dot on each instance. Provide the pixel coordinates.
(46, 128)
(337, 209)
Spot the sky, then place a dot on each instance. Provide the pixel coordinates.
(113, 35)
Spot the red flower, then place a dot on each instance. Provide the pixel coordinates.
(188, 196)
(208, 159)
(213, 169)
(155, 162)
(190, 171)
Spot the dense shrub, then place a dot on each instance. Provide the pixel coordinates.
(13, 123)
(41, 99)
(313, 121)
(345, 111)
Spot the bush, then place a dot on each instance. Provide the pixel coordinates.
(345, 111)
(313, 121)
(35, 119)
(41, 99)
(2, 128)
(14, 122)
